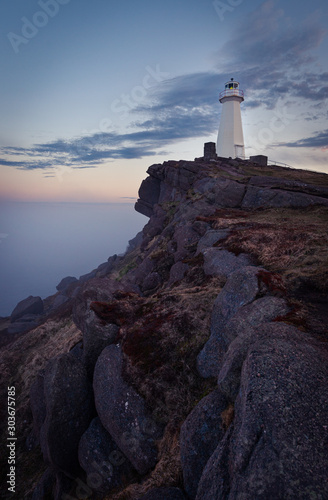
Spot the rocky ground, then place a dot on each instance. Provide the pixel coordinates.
(192, 367)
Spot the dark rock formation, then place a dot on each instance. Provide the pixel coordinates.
(123, 413)
(267, 197)
(170, 181)
(151, 283)
(105, 268)
(96, 336)
(200, 435)
(251, 421)
(290, 185)
(210, 238)
(177, 272)
(277, 445)
(163, 494)
(105, 465)
(240, 289)
(148, 195)
(45, 486)
(59, 301)
(24, 324)
(31, 305)
(222, 192)
(219, 262)
(77, 350)
(88, 276)
(91, 291)
(69, 409)
(135, 242)
(260, 311)
(65, 283)
(38, 404)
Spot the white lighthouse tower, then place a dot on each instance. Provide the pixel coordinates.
(230, 141)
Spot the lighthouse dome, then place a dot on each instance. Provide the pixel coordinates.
(231, 90)
(232, 84)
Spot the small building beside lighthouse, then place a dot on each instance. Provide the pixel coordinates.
(230, 141)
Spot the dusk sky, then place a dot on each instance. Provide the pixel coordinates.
(92, 93)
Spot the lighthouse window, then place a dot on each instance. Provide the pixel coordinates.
(230, 85)
(235, 85)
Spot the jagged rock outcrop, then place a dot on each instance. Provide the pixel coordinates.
(69, 410)
(45, 486)
(38, 404)
(149, 194)
(259, 197)
(240, 289)
(96, 336)
(31, 305)
(207, 380)
(163, 494)
(168, 182)
(218, 262)
(65, 283)
(276, 447)
(106, 467)
(123, 413)
(200, 434)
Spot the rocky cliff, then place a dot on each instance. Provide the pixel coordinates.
(194, 366)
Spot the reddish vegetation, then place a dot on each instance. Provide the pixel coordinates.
(142, 342)
(227, 416)
(273, 282)
(118, 311)
(291, 242)
(297, 316)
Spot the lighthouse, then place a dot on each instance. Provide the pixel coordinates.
(230, 141)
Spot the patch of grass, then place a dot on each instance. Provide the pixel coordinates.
(125, 268)
(161, 348)
(167, 473)
(192, 195)
(315, 178)
(273, 282)
(170, 208)
(297, 316)
(291, 242)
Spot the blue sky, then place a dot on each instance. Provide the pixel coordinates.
(92, 93)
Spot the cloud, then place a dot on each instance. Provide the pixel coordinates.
(317, 140)
(166, 125)
(267, 39)
(270, 54)
(25, 165)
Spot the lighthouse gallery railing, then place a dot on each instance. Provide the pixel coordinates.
(231, 92)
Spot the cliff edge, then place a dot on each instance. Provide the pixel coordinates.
(194, 366)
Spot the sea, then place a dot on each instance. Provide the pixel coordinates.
(41, 243)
